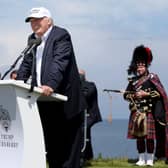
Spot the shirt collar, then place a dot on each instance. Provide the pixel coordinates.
(46, 34)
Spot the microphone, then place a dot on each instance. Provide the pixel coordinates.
(31, 44)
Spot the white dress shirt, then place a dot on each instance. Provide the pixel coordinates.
(39, 54)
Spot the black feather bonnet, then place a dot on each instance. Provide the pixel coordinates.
(140, 54)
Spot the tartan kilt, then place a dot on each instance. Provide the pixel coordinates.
(151, 133)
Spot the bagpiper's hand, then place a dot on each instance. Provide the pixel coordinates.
(130, 97)
(140, 94)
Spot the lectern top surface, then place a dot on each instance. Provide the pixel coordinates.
(38, 90)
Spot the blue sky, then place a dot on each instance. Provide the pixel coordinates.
(104, 34)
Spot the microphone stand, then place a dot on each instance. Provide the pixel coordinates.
(12, 66)
(23, 53)
(32, 73)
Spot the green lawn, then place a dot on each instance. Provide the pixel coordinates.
(119, 163)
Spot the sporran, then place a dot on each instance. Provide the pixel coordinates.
(139, 127)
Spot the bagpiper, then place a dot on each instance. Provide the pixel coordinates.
(148, 105)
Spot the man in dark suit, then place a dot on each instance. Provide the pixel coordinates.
(92, 115)
(52, 66)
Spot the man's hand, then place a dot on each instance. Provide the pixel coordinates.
(141, 94)
(47, 91)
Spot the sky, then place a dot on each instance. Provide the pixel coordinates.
(104, 34)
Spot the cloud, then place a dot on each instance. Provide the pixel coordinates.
(126, 19)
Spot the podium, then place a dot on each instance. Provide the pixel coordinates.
(21, 135)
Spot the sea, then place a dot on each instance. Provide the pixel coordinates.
(109, 140)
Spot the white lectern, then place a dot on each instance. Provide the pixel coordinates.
(21, 134)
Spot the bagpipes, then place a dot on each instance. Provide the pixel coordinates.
(139, 127)
(110, 98)
(121, 92)
(118, 91)
(152, 94)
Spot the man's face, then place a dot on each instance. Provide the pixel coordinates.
(141, 69)
(40, 25)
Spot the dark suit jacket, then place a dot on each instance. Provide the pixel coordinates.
(58, 69)
(90, 92)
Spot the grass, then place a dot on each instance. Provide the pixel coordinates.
(118, 163)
